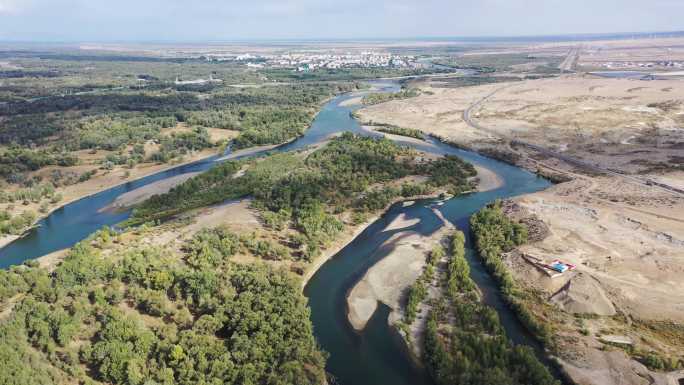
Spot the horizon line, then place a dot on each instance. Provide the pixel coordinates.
(456, 38)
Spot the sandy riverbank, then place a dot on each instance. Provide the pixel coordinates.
(388, 280)
(143, 193)
(251, 151)
(116, 178)
(7, 239)
(352, 102)
(50, 261)
(139, 195)
(487, 179)
(340, 243)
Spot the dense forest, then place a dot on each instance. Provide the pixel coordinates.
(143, 314)
(306, 191)
(464, 340)
(116, 105)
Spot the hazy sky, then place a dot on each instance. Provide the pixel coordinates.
(201, 20)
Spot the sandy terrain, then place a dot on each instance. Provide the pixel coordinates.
(141, 194)
(626, 239)
(630, 125)
(614, 368)
(626, 260)
(50, 261)
(388, 280)
(438, 113)
(352, 102)
(487, 179)
(219, 134)
(235, 215)
(215, 134)
(7, 239)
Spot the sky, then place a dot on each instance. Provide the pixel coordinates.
(217, 20)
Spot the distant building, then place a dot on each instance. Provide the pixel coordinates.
(211, 79)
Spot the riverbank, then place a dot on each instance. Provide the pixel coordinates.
(7, 239)
(119, 176)
(100, 183)
(139, 195)
(487, 179)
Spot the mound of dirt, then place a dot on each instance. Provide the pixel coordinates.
(614, 368)
(582, 295)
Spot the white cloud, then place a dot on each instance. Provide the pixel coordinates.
(13, 6)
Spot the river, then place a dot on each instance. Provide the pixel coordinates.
(376, 355)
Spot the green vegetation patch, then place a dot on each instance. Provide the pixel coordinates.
(147, 315)
(494, 234)
(418, 292)
(408, 132)
(308, 192)
(464, 340)
(377, 98)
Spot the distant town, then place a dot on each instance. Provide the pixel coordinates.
(303, 62)
(650, 64)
